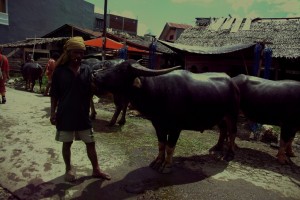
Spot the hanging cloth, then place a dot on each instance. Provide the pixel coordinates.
(152, 55)
(257, 53)
(268, 62)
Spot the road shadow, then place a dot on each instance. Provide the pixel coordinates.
(128, 185)
(124, 185)
(21, 87)
(262, 160)
(47, 111)
(57, 188)
(144, 179)
(102, 126)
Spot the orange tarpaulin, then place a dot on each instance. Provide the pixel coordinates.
(110, 44)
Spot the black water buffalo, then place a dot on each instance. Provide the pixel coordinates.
(272, 102)
(31, 72)
(175, 100)
(121, 102)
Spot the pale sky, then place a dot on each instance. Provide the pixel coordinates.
(152, 15)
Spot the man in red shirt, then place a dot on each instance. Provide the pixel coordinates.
(4, 75)
(49, 71)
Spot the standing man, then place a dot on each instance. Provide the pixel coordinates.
(70, 103)
(4, 75)
(49, 71)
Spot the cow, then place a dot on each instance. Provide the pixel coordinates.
(274, 103)
(31, 72)
(175, 100)
(121, 102)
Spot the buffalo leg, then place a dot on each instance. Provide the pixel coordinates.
(27, 84)
(115, 116)
(40, 83)
(121, 105)
(281, 156)
(228, 131)
(155, 164)
(232, 126)
(162, 143)
(93, 110)
(122, 121)
(222, 137)
(166, 167)
(285, 147)
(289, 149)
(32, 85)
(166, 145)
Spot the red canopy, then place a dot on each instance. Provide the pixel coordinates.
(110, 44)
(98, 42)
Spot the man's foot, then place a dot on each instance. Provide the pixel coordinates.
(70, 176)
(101, 174)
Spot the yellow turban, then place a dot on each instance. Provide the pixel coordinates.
(72, 43)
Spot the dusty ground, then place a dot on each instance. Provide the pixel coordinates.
(32, 166)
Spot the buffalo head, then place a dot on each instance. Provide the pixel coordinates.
(121, 77)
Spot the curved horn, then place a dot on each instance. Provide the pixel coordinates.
(140, 70)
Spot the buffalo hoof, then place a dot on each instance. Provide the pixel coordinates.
(111, 123)
(121, 122)
(291, 154)
(217, 149)
(229, 156)
(156, 164)
(283, 159)
(165, 169)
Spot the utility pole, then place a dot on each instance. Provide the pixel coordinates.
(104, 31)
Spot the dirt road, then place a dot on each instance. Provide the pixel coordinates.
(32, 166)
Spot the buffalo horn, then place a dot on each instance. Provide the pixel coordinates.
(140, 70)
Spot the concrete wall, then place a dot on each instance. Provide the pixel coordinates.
(35, 18)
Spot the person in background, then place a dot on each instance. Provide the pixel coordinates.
(29, 58)
(49, 71)
(70, 102)
(4, 75)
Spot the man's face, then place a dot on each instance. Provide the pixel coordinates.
(75, 56)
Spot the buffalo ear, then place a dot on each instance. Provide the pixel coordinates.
(137, 83)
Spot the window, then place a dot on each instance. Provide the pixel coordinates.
(98, 24)
(3, 6)
(3, 12)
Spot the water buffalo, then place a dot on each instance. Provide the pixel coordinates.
(275, 103)
(31, 72)
(175, 100)
(121, 102)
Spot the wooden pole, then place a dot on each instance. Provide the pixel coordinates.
(104, 31)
